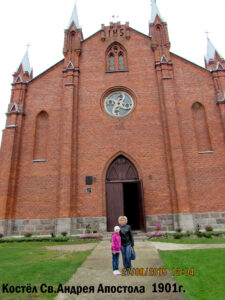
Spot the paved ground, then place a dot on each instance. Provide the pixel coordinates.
(172, 246)
(97, 269)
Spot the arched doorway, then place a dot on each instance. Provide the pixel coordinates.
(124, 194)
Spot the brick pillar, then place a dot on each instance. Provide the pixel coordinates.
(180, 203)
(68, 146)
(175, 160)
(10, 154)
(67, 182)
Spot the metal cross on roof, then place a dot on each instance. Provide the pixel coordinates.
(115, 17)
(207, 33)
(28, 45)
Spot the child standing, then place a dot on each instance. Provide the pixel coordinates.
(116, 248)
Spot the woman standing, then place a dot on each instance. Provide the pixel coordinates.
(127, 242)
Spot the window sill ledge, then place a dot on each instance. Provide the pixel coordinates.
(118, 71)
(205, 152)
(39, 160)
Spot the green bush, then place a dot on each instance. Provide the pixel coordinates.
(217, 233)
(189, 232)
(200, 234)
(61, 239)
(37, 239)
(166, 235)
(207, 234)
(178, 235)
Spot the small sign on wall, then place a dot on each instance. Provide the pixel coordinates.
(88, 190)
(88, 180)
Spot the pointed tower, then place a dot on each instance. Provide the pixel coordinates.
(159, 34)
(213, 60)
(72, 39)
(74, 18)
(24, 73)
(160, 46)
(68, 152)
(215, 63)
(11, 141)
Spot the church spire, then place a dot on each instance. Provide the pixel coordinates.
(24, 72)
(26, 63)
(158, 33)
(213, 60)
(72, 41)
(74, 17)
(155, 12)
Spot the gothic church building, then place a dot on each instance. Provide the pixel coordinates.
(119, 126)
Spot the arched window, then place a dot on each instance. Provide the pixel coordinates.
(201, 127)
(116, 58)
(41, 132)
(112, 62)
(121, 63)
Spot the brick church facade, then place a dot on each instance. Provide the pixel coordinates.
(120, 126)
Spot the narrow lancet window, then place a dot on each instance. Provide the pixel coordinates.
(41, 132)
(121, 64)
(112, 62)
(201, 127)
(116, 58)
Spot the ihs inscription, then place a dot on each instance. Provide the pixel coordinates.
(115, 31)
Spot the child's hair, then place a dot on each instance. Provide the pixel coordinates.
(116, 227)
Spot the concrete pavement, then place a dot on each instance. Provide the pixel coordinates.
(96, 271)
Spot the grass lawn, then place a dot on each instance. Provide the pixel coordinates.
(191, 241)
(208, 281)
(23, 263)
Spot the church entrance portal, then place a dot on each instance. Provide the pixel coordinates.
(124, 194)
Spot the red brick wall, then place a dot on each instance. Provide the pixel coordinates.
(140, 134)
(205, 171)
(100, 138)
(37, 187)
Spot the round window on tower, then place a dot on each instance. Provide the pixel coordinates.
(118, 104)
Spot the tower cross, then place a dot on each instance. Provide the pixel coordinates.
(28, 45)
(115, 17)
(207, 33)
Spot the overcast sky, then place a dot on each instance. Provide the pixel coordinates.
(41, 23)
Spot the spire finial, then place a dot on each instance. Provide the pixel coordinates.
(74, 17)
(26, 62)
(207, 34)
(28, 45)
(211, 50)
(155, 12)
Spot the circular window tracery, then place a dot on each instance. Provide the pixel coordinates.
(118, 104)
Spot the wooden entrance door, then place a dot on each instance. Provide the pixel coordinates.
(115, 205)
(121, 170)
(141, 206)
